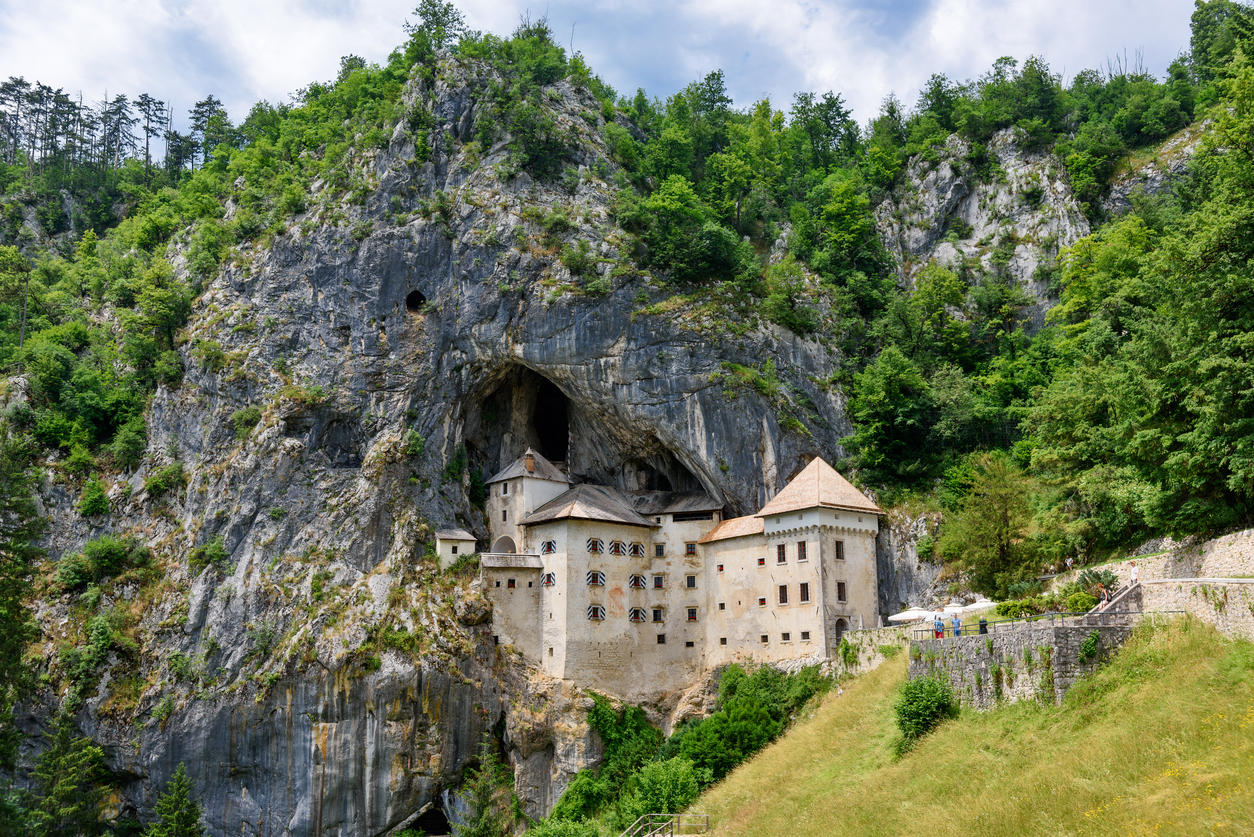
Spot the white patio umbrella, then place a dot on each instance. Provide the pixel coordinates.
(913, 614)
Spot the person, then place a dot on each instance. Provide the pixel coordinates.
(983, 625)
(957, 624)
(938, 625)
(1103, 595)
(1136, 573)
(1070, 561)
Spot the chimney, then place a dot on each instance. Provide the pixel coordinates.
(530, 461)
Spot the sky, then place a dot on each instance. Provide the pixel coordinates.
(243, 51)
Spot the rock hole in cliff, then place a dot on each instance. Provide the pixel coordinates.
(432, 822)
(415, 301)
(552, 421)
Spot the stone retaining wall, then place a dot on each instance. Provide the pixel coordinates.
(868, 649)
(1035, 662)
(1224, 557)
(1226, 603)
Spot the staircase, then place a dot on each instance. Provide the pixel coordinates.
(668, 825)
(1125, 602)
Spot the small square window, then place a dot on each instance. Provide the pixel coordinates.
(636, 614)
(690, 644)
(659, 550)
(765, 638)
(637, 550)
(762, 601)
(548, 579)
(454, 550)
(661, 639)
(722, 640)
(596, 578)
(722, 605)
(805, 636)
(692, 614)
(658, 582)
(657, 520)
(657, 614)
(840, 591)
(530, 583)
(637, 581)
(804, 593)
(691, 582)
(596, 612)
(720, 567)
(690, 549)
(509, 584)
(761, 562)
(498, 584)
(785, 637)
(618, 548)
(548, 547)
(596, 546)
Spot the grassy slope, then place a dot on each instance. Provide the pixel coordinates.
(1159, 742)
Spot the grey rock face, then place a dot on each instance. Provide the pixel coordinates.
(1169, 162)
(906, 578)
(1012, 219)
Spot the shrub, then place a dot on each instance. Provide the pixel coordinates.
(164, 480)
(662, 787)
(94, 501)
(924, 703)
(1089, 648)
(211, 553)
(414, 443)
(101, 558)
(1090, 578)
(1081, 602)
(245, 420)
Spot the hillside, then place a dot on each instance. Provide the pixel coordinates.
(1158, 742)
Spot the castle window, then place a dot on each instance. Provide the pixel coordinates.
(690, 549)
(657, 614)
(840, 550)
(596, 545)
(785, 637)
(618, 548)
(761, 562)
(801, 550)
(720, 567)
(548, 579)
(783, 594)
(510, 584)
(637, 550)
(840, 591)
(691, 582)
(690, 644)
(684, 517)
(637, 614)
(804, 595)
(722, 640)
(762, 601)
(504, 488)
(504, 515)
(661, 639)
(781, 554)
(637, 581)
(658, 582)
(765, 639)
(596, 578)
(692, 614)
(596, 612)
(722, 605)
(454, 550)
(548, 547)
(658, 550)
(805, 636)
(498, 584)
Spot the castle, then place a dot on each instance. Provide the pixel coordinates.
(639, 592)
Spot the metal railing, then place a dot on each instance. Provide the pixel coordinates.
(668, 825)
(1058, 619)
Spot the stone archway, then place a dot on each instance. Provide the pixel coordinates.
(504, 544)
(841, 627)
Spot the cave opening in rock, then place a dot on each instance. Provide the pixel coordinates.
(415, 301)
(552, 421)
(432, 822)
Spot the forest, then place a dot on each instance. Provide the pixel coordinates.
(1129, 415)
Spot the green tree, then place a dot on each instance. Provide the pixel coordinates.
(662, 787)
(178, 814)
(988, 535)
(891, 408)
(485, 816)
(69, 785)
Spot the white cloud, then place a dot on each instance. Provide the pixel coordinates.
(244, 50)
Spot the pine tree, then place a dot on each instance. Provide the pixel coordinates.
(484, 819)
(179, 813)
(69, 786)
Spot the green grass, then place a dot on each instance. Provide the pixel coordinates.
(1161, 741)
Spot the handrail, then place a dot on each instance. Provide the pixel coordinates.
(1085, 618)
(664, 825)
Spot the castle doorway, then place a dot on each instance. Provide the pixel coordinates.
(504, 544)
(841, 627)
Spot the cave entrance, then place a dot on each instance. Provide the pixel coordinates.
(552, 421)
(415, 301)
(432, 822)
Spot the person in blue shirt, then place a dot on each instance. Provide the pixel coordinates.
(957, 623)
(938, 626)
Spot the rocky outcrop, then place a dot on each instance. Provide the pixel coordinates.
(295, 644)
(907, 578)
(1006, 216)
(1165, 165)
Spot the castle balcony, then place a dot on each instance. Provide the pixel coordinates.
(510, 561)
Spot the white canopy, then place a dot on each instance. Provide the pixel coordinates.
(913, 614)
